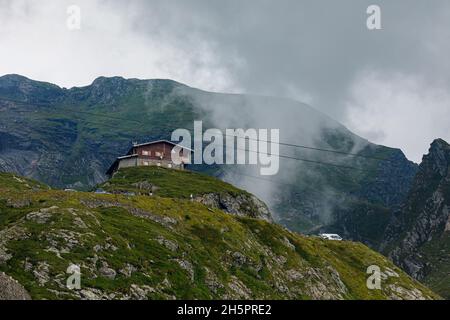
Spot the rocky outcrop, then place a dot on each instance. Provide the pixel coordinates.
(240, 205)
(392, 181)
(10, 289)
(420, 226)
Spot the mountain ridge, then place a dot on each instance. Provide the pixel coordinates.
(418, 237)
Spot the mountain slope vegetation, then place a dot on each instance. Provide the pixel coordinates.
(131, 245)
(67, 138)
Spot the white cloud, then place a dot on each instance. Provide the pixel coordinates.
(306, 50)
(399, 110)
(35, 41)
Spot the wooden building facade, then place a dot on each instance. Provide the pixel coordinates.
(157, 153)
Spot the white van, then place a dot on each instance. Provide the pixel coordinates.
(330, 236)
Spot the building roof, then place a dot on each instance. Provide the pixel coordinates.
(159, 141)
(127, 156)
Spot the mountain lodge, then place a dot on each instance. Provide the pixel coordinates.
(156, 153)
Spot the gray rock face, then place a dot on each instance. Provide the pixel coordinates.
(238, 289)
(107, 272)
(392, 182)
(41, 273)
(239, 259)
(10, 289)
(187, 266)
(400, 293)
(145, 186)
(240, 205)
(424, 217)
(128, 270)
(171, 245)
(140, 292)
(42, 216)
(325, 288)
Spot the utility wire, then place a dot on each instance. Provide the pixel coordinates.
(311, 148)
(247, 138)
(50, 131)
(300, 159)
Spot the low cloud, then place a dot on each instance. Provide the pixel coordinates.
(399, 110)
(36, 42)
(314, 51)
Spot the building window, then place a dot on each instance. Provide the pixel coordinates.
(145, 153)
(158, 154)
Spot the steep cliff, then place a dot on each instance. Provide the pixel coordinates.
(418, 237)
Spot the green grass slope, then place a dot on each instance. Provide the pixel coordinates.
(436, 253)
(166, 183)
(155, 247)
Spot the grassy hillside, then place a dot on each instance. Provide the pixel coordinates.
(166, 183)
(436, 253)
(166, 247)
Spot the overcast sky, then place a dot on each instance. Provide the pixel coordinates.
(390, 86)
